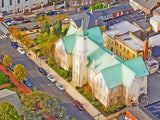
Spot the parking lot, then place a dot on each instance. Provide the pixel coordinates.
(131, 17)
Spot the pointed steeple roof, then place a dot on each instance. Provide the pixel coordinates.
(80, 31)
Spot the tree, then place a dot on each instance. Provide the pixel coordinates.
(41, 19)
(39, 104)
(45, 27)
(57, 27)
(7, 61)
(8, 112)
(19, 72)
(60, 17)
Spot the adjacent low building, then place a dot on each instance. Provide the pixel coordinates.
(11, 96)
(112, 80)
(155, 22)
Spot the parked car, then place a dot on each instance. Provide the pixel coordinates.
(41, 70)
(60, 12)
(62, 7)
(1, 57)
(59, 86)
(20, 50)
(35, 26)
(8, 20)
(11, 23)
(26, 20)
(51, 78)
(22, 28)
(14, 44)
(62, 107)
(18, 18)
(84, 8)
(66, 20)
(12, 67)
(78, 105)
(40, 14)
(51, 13)
(27, 82)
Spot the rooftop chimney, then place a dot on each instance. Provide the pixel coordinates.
(145, 50)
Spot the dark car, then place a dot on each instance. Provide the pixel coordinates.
(84, 8)
(12, 67)
(8, 20)
(78, 105)
(51, 13)
(14, 44)
(40, 14)
(62, 7)
(41, 70)
(1, 57)
(27, 82)
(18, 18)
(26, 20)
(22, 28)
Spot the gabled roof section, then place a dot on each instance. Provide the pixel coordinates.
(71, 30)
(95, 35)
(69, 42)
(113, 76)
(137, 65)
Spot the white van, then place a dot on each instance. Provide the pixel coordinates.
(66, 20)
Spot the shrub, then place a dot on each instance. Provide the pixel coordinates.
(77, 87)
(69, 79)
(80, 91)
(36, 50)
(11, 85)
(5, 79)
(114, 108)
(96, 105)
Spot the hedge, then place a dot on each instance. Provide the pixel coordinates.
(61, 72)
(114, 108)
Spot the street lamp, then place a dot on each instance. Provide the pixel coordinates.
(98, 109)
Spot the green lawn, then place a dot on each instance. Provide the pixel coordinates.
(1, 76)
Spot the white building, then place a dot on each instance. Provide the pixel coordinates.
(155, 22)
(112, 80)
(20, 5)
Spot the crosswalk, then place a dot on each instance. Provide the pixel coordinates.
(3, 36)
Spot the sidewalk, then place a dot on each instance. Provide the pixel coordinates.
(70, 90)
(20, 86)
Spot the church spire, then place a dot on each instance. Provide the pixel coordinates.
(80, 31)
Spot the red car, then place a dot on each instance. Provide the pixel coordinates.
(78, 105)
(18, 18)
(26, 21)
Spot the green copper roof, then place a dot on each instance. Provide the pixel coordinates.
(137, 65)
(113, 76)
(95, 35)
(69, 42)
(71, 30)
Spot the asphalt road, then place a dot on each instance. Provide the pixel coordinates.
(41, 82)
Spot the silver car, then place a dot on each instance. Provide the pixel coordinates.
(59, 86)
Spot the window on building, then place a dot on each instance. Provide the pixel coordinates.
(116, 52)
(112, 42)
(86, 2)
(133, 55)
(124, 49)
(127, 59)
(90, 2)
(108, 47)
(117, 43)
(112, 49)
(141, 90)
(123, 57)
(127, 51)
(41, 2)
(2, 3)
(10, 2)
(108, 40)
(120, 46)
(120, 54)
(18, 1)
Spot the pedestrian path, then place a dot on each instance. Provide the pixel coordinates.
(3, 86)
(3, 36)
(19, 85)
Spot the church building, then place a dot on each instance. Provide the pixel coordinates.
(112, 80)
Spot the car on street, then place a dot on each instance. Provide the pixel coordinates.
(62, 107)
(40, 14)
(26, 20)
(22, 28)
(27, 82)
(60, 12)
(1, 57)
(20, 50)
(66, 20)
(12, 67)
(41, 70)
(62, 7)
(14, 44)
(8, 20)
(51, 78)
(18, 18)
(51, 13)
(59, 86)
(78, 105)
(10, 23)
(35, 26)
(84, 8)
